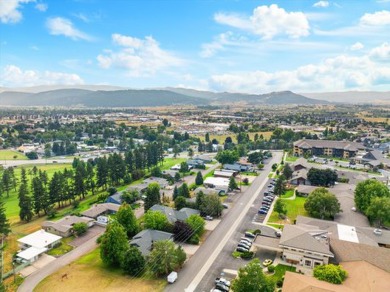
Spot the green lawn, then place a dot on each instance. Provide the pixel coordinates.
(12, 155)
(288, 194)
(280, 270)
(294, 208)
(63, 248)
(11, 202)
(169, 162)
(291, 158)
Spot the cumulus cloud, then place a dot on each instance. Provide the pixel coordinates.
(322, 4)
(378, 18)
(381, 53)
(268, 22)
(41, 7)
(12, 76)
(10, 10)
(357, 46)
(339, 73)
(63, 26)
(140, 57)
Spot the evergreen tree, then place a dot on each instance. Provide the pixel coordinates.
(175, 193)
(152, 196)
(90, 179)
(102, 172)
(184, 191)
(232, 184)
(4, 224)
(133, 262)
(199, 179)
(79, 178)
(6, 181)
(207, 137)
(25, 202)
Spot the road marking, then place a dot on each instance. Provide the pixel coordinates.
(195, 282)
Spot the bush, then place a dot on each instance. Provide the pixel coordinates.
(195, 239)
(247, 255)
(51, 213)
(111, 191)
(75, 204)
(245, 181)
(330, 273)
(279, 283)
(257, 232)
(80, 228)
(102, 197)
(271, 269)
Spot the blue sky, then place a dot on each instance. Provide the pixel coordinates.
(220, 45)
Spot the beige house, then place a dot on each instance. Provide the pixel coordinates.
(64, 227)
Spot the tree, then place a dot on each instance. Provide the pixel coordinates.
(175, 193)
(280, 186)
(232, 184)
(199, 179)
(322, 177)
(190, 152)
(133, 262)
(4, 224)
(156, 220)
(184, 191)
(114, 244)
(252, 278)
(32, 155)
(330, 273)
(25, 202)
(184, 167)
(152, 196)
(177, 177)
(6, 181)
(197, 224)
(127, 219)
(47, 151)
(182, 231)
(165, 258)
(227, 156)
(199, 199)
(367, 190)
(255, 157)
(180, 202)
(211, 205)
(165, 122)
(80, 228)
(322, 204)
(207, 137)
(280, 207)
(379, 210)
(156, 172)
(287, 171)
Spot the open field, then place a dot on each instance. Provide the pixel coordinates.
(12, 155)
(90, 274)
(294, 208)
(221, 138)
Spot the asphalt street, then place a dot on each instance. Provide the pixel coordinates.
(200, 269)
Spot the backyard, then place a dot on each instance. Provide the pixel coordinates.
(89, 274)
(294, 208)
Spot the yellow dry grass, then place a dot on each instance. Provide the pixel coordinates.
(89, 274)
(221, 138)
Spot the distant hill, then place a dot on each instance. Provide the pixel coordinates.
(353, 96)
(88, 98)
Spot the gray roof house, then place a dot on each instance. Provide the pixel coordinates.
(174, 215)
(145, 239)
(100, 209)
(64, 226)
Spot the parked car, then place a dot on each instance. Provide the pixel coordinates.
(246, 239)
(223, 281)
(262, 212)
(242, 249)
(250, 235)
(226, 206)
(267, 262)
(245, 242)
(266, 203)
(172, 277)
(222, 287)
(208, 218)
(266, 193)
(243, 245)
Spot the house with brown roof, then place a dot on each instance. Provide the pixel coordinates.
(64, 227)
(342, 149)
(362, 277)
(101, 209)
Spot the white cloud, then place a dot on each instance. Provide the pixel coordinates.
(378, 18)
(140, 57)
(343, 72)
(219, 43)
(41, 7)
(63, 26)
(381, 53)
(10, 10)
(322, 4)
(14, 76)
(357, 46)
(268, 22)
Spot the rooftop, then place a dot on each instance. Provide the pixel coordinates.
(39, 239)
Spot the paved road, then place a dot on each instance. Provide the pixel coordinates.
(33, 280)
(197, 266)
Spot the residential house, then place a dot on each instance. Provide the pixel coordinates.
(144, 240)
(299, 177)
(375, 158)
(101, 209)
(115, 198)
(162, 182)
(174, 215)
(195, 163)
(218, 183)
(304, 190)
(342, 149)
(35, 244)
(64, 226)
(224, 173)
(204, 158)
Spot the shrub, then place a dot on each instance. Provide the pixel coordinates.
(102, 197)
(194, 239)
(80, 228)
(330, 273)
(247, 255)
(271, 269)
(111, 191)
(257, 232)
(279, 283)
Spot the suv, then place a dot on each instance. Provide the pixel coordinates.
(243, 245)
(242, 249)
(250, 235)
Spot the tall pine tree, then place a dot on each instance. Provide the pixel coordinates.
(25, 202)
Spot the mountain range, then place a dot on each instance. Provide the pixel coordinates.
(86, 96)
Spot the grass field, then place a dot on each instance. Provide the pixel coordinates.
(280, 271)
(63, 248)
(12, 155)
(287, 194)
(221, 138)
(90, 274)
(291, 158)
(294, 208)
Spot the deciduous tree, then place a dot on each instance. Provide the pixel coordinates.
(322, 204)
(114, 244)
(127, 219)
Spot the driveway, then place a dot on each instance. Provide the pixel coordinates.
(39, 264)
(92, 232)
